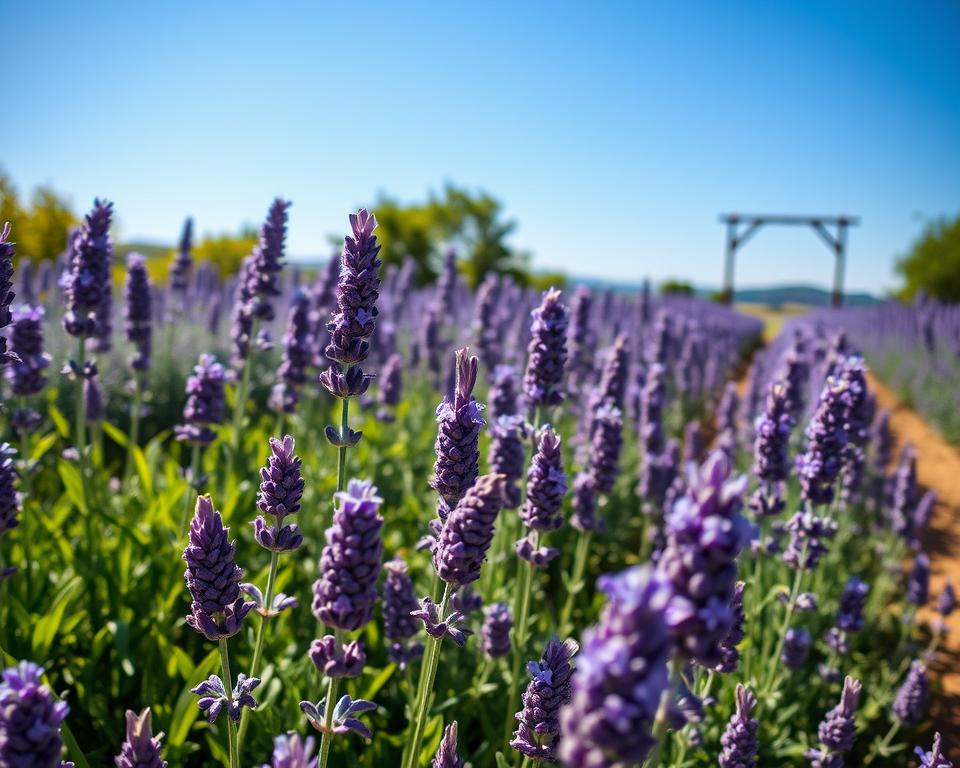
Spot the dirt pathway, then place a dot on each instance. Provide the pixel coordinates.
(938, 468)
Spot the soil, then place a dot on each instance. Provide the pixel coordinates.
(938, 468)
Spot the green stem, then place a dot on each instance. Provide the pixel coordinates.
(25, 515)
(192, 486)
(261, 635)
(342, 457)
(81, 440)
(521, 610)
(134, 429)
(788, 615)
(575, 584)
(228, 684)
(431, 660)
(881, 749)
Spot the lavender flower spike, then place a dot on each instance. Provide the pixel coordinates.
(281, 487)
(467, 532)
(6, 293)
(705, 533)
(819, 466)
(291, 751)
(30, 718)
(458, 432)
(447, 756)
(620, 676)
(212, 575)
(399, 603)
(87, 281)
(542, 509)
(739, 740)
(507, 455)
(546, 353)
(345, 593)
(837, 731)
(206, 402)
(497, 623)
(182, 262)
(538, 734)
(911, 699)
(141, 749)
(355, 317)
(297, 356)
(26, 340)
(935, 758)
(137, 313)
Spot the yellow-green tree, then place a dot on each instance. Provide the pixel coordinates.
(933, 263)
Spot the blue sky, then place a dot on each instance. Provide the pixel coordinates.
(613, 132)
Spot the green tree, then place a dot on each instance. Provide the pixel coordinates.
(47, 226)
(676, 287)
(933, 263)
(470, 222)
(225, 251)
(10, 208)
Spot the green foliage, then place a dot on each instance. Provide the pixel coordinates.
(933, 263)
(676, 287)
(471, 222)
(40, 229)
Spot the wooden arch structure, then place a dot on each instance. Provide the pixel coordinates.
(831, 229)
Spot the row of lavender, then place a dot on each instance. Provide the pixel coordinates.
(914, 348)
(662, 665)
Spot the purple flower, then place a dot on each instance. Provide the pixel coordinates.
(692, 442)
(918, 583)
(279, 604)
(508, 453)
(621, 674)
(212, 575)
(730, 656)
(549, 689)
(584, 502)
(467, 532)
(357, 292)
(497, 623)
(137, 317)
(94, 408)
(30, 718)
(291, 751)
(453, 625)
(458, 434)
(335, 659)
(26, 342)
(796, 648)
(297, 355)
(206, 403)
(447, 756)
(947, 601)
(281, 487)
(653, 480)
(182, 261)
(936, 758)
(605, 450)
(542, 509)
(911, 699)
(739, 741)
(9, 497)
(852, 601)
(399, 603)
(7, 295)
(503, 392)
(580, 339)
(613, 380)
(819, 466)
(391, 387)
(771, 463)
(267, 261)
(546, 353)
(726, 419)
(140, 749)
(87, 284)
(345, 593)
(809, 535)
(705, 533)
(486, 329)
(214, 697)
(838, 730)
(344, 715)
(904, 494)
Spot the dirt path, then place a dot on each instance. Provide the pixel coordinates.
(938, 468)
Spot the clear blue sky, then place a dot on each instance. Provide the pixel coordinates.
(614, 132)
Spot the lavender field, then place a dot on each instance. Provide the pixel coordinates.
(351, 518)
